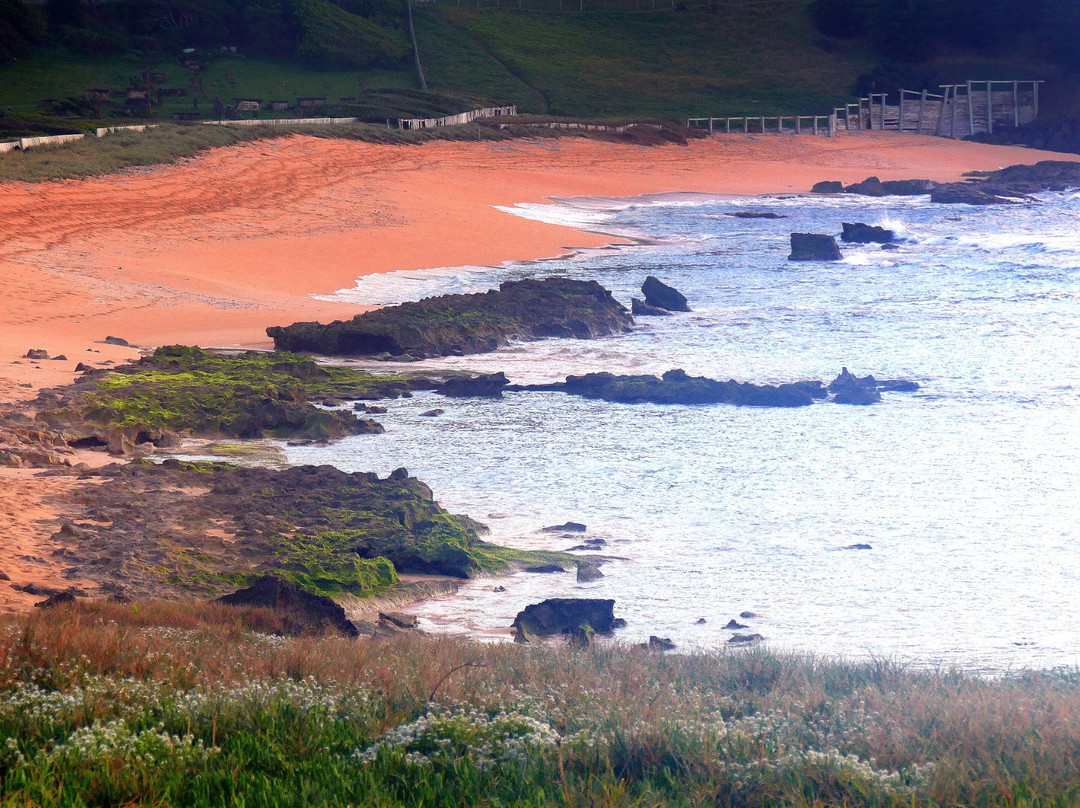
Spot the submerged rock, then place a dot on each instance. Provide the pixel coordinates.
(814, 247)
(485, 385)
(962, 193)
(755, 214)
(847, 388)
(565, 527)
(588, 572)
(659, 294)
(745, 639)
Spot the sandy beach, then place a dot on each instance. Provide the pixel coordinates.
(214, 250)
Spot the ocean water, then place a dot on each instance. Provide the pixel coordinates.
(968, 491)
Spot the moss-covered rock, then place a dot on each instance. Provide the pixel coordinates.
(180, 529)
(180, 389)
(454, 325)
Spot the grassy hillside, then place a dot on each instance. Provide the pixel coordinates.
(762, 58)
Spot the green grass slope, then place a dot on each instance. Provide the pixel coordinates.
(744, 58)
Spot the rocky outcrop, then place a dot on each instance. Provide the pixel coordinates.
(564, 616)
(871, 186)
(588, 572)
(659, 294)
(486, 385)
(828, 187)
(847, 388)
(565, 527)
(660, 643)
(301, 612)
(639, 308)
(963, 193)
(908, 187)
(860, 233)
(814, 247)
(1046, 175)
(455, 325)
(677, 387)
(755, 214)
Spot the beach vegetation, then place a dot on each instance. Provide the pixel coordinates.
(201, 704)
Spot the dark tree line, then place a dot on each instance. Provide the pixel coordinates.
(344, 33)
(912, 30)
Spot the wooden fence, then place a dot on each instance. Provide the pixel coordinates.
(763, 124)
(455, 120)
(973, 107)
(282, 122)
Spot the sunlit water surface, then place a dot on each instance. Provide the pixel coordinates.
(968, 491)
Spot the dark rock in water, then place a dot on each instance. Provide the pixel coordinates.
(847, 388)
(745, 639)
(59, 599)
(486, 385)
(814, 247)
(755, 214)
(454, 325)
(871, 186)
(660, 643)
(701, 621)
(544, 568)
(908, 187)
(828, 187)
(890, 247)
(566, 527)
(588, 572)
(432, 413)
(677, 387)
(1046, 175)
(860, 233)
(962, 193)
(618, 622)
(123, 343)
(499, 589)
(399, 619)
(639, 308)
(734, 625)
(897, 386)
(565, 615)
(659, 294)
(859, 546)
(303, 612)
(747, 615)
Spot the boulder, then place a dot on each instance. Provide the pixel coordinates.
(745, 639)
(59, 599)
(398, 619)
(588, 572)
(962, 193)
(486, 385)
(565, 527)
(828, 187)
(859, 546)
(544, 568)
(871, 186)
(814, 247)
(123, 343)
(847, 388)
(747, 615)
(908, 187)
(303, 611)
(860, 233)
(37, 353)
(701, 621)
(734, 625)
(659, 294)
(660, 643)
(639, 308)
(435, 413)
(564, 616)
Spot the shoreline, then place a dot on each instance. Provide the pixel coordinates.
(213, 250)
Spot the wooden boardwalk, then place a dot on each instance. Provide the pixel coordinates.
(959, 110)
